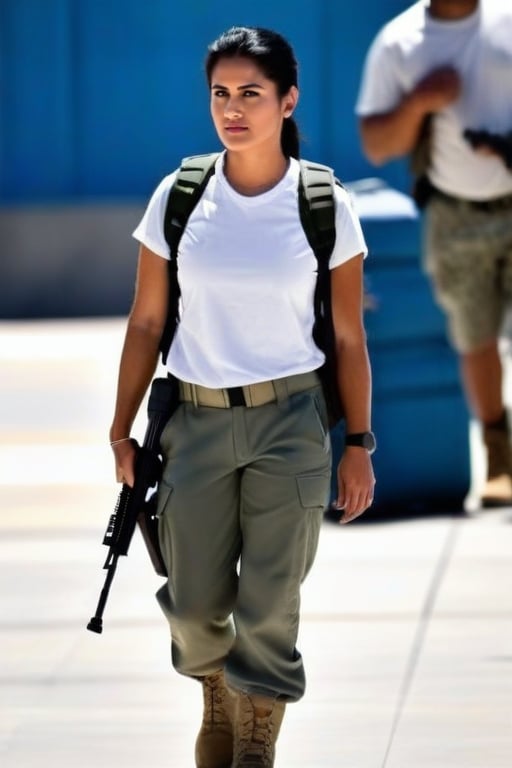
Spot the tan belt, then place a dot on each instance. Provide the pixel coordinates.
(250, 396)
(494, 205)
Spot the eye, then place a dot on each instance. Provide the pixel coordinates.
(250, 93)
(219, 92)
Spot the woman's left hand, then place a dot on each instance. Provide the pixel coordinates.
(356, 482)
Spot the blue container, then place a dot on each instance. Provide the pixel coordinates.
(422, 463)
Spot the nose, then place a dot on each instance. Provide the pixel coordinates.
(232, 109)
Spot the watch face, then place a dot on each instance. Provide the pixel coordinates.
(363, 440)
(369, 442)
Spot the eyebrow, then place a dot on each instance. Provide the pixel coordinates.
(240, 87)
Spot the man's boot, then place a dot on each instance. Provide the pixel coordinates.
(498, 487)
(257, 723)
(214, 743)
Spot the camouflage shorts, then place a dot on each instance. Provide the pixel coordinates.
(468, 258)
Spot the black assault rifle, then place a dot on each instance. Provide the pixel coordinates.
(133, 504)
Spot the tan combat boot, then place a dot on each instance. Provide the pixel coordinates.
(498, 487)
(257, 723)
(214, 743)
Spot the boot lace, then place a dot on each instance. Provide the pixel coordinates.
(256, 742)
(215, 716)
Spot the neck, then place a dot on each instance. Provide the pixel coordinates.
(254, 174)
(451, 10)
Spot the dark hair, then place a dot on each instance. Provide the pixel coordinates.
(276, 59)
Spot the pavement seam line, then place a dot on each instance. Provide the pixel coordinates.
(421, 631)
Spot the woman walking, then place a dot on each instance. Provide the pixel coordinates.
(246, 455)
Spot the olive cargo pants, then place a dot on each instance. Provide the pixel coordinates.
(240, 508)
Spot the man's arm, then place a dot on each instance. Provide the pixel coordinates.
(395, 133)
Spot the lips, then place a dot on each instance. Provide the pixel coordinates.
(235, 128)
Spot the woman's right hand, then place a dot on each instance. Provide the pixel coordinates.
(124, 455)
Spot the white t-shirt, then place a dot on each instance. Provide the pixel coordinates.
(479, 47)
(247, 277)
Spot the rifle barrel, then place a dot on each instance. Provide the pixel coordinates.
(96, 622)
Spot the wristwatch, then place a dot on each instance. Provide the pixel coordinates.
(362, 440)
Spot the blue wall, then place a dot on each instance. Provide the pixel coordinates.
(99, 99)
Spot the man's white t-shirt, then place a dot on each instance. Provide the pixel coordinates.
(479, 47)
(247, 277)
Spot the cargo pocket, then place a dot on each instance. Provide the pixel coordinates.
(164, 497)
(313, 490)
(164, 528)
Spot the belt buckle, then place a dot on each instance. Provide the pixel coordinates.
(236, 396)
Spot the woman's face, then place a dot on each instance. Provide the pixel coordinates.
(246, 109)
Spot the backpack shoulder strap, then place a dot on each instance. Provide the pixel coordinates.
(317, 208)
(185, 193)
(190, 183)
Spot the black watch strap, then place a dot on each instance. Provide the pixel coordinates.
(362, 440)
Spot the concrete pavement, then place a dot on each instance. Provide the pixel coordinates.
(407, 624)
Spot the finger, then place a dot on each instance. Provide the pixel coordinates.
(341, 501)
(347, 517)
(129, 478)
(126, 478)
(354, 510)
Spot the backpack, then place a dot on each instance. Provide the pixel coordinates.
(317, 215)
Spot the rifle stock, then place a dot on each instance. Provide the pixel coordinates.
(135, 505)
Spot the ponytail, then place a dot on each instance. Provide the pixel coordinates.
(290, 141)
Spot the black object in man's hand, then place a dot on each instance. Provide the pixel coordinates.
(500, 144)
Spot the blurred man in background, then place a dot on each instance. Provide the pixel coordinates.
(437, 87)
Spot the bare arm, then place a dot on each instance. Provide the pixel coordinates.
(355, 473)
(139, 356)
(394, 134)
